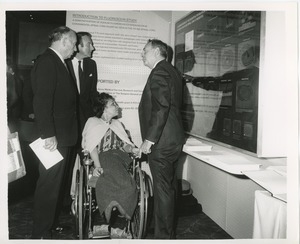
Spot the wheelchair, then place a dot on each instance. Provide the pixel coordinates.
(84, 205)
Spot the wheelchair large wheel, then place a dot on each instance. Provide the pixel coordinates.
(148, 202)
(81, 203)
(140, 214)
(76, 203)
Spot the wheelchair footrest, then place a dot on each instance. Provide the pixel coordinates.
(100, 231)
(117, 233)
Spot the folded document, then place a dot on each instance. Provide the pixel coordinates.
(48, 158)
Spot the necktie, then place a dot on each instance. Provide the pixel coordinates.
(79, 75)
(79, 70)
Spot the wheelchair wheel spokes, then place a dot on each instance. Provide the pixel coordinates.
(76, 204)
(90, 212)
(82, 204)
(148, 202)
(139, 214)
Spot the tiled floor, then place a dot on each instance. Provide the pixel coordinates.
(192, 224)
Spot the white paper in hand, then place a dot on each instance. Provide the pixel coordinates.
(48, 158)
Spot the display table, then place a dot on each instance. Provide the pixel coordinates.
(226, 159)
(270, 219)
(218, 180)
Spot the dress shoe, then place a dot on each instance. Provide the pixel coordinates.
(58, 229)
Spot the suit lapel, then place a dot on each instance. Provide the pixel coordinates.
(58, 60)
(71, 69)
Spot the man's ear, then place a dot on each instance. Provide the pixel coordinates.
(64, 40)
(77, 47)
(156, 51)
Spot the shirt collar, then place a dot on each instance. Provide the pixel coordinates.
(157, 63)
(75, 60)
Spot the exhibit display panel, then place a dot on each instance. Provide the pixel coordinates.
(218, 54)
(221, 55)
(119, 38)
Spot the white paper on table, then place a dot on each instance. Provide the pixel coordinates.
(234, 159)
(238, 162)
(196, 145)
(48, 158)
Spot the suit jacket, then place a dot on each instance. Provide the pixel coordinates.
(160, 107)
(88, 89)
(54, 100)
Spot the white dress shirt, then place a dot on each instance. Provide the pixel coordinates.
(75, 67)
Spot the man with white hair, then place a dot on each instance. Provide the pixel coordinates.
(54, 104)
(162, 132)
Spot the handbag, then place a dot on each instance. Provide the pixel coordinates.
(16, 167)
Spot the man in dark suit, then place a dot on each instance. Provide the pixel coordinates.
(84, 72)
(54, 105)
(162, 132)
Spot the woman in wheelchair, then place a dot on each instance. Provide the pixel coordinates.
(110, 147)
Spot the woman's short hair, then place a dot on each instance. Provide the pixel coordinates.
(100, 103)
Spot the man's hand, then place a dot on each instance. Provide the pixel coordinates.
(145, 147)
(50, 143)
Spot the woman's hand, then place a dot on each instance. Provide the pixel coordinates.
(97, 171)
(135, 151)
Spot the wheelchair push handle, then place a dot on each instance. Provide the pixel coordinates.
(86, 158)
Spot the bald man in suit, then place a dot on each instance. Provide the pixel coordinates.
(162, 132)
(54, 105)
